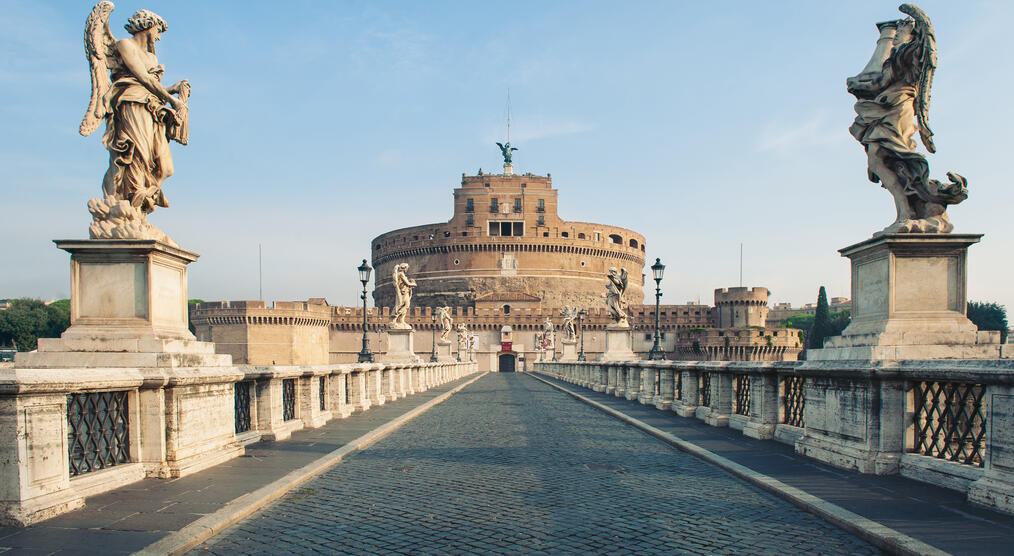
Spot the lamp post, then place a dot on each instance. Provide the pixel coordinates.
(656, 353)
(433, 341)
(580, 323)
(365, 356)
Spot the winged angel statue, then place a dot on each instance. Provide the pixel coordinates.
(615, 288)
(893, 93)
(141, 116)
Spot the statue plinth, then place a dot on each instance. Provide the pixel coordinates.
(508, 169)
(908, 302)
(444, 351)
(569, 350)
(401, 346)
(618, 343)
(128, 308)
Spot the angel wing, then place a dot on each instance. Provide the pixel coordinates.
(100, 49)
(623, 278)
(927, 65)
(501, 146)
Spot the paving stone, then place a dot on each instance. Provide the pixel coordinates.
(510, 464)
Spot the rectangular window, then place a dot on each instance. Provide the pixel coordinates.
(494, 228)
(598, 236)
(542, 205)
(519, 229)
(494, 205)
(542, 220)
(469, 220)
(469, 204)
(517, 205)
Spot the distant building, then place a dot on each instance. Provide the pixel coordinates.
(782, 311)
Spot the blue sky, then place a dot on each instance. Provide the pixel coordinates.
(316, 126)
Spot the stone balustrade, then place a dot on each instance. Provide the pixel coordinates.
(66, 434)
(946, 422)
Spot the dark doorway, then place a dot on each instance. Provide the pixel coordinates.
(507, 363)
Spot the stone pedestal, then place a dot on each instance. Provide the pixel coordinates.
(618, 344)
(128, 334)
(569, 350)
(444, 351)
(908, 302)
(401, 346)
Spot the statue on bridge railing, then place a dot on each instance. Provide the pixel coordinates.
(893, 93)
(569, 328)
(141, 117)
(615, 288)
(403, 286)
(548, 334)
(462, 339)
(444, 314)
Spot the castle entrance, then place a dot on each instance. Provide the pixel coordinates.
(507, 361)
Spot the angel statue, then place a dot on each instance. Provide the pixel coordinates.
(549, 333)
(403, 286)
(141, 117)
(506, 149)
(444, 314)
(569, 328)
(893, 93)
(462, 333)
(615, 288)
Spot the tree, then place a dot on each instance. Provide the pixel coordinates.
(801, 321)
(989, 316)
(27, 320)
(821, 322)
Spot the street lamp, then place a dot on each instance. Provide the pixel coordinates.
(433, 341)
(656, 353)
(365, 356)
(580, 323)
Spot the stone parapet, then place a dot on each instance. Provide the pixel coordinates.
(945, 422)
(170, 421)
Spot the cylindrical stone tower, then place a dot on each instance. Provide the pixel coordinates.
(741, 307)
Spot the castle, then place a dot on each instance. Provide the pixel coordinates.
(505, 263)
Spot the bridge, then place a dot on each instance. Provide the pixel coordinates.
(522, 463)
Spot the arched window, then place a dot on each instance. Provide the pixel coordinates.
(615, 238)
(506, 309)
(633, 243)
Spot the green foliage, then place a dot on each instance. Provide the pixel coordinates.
(821, 322)
(801, 321)
(27, 320)
(988, 316)
(838, 321)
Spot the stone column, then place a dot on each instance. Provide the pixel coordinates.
(633, 381)
(375, 384)
(667, 386)
(610, 379)
(647, 387)
(721, 398)
(691, 384)
(763, 405)
(621, 380)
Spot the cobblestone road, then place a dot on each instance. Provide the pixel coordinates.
(510, 466)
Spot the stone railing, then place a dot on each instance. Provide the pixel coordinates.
(947, 422)
(72, 433)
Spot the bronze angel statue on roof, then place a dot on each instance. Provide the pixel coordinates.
(506, 150)
(141, 116)
(893, 93)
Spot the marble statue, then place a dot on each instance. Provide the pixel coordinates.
(569, 328)
(506, 150)
(141, 117)
(462, 332)
(615, 288)
(403, 286)
(549, 333)
(444, 314)
(893, 96)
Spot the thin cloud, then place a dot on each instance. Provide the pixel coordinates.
(783, 138)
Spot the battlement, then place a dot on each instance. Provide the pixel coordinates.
(755, 295)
